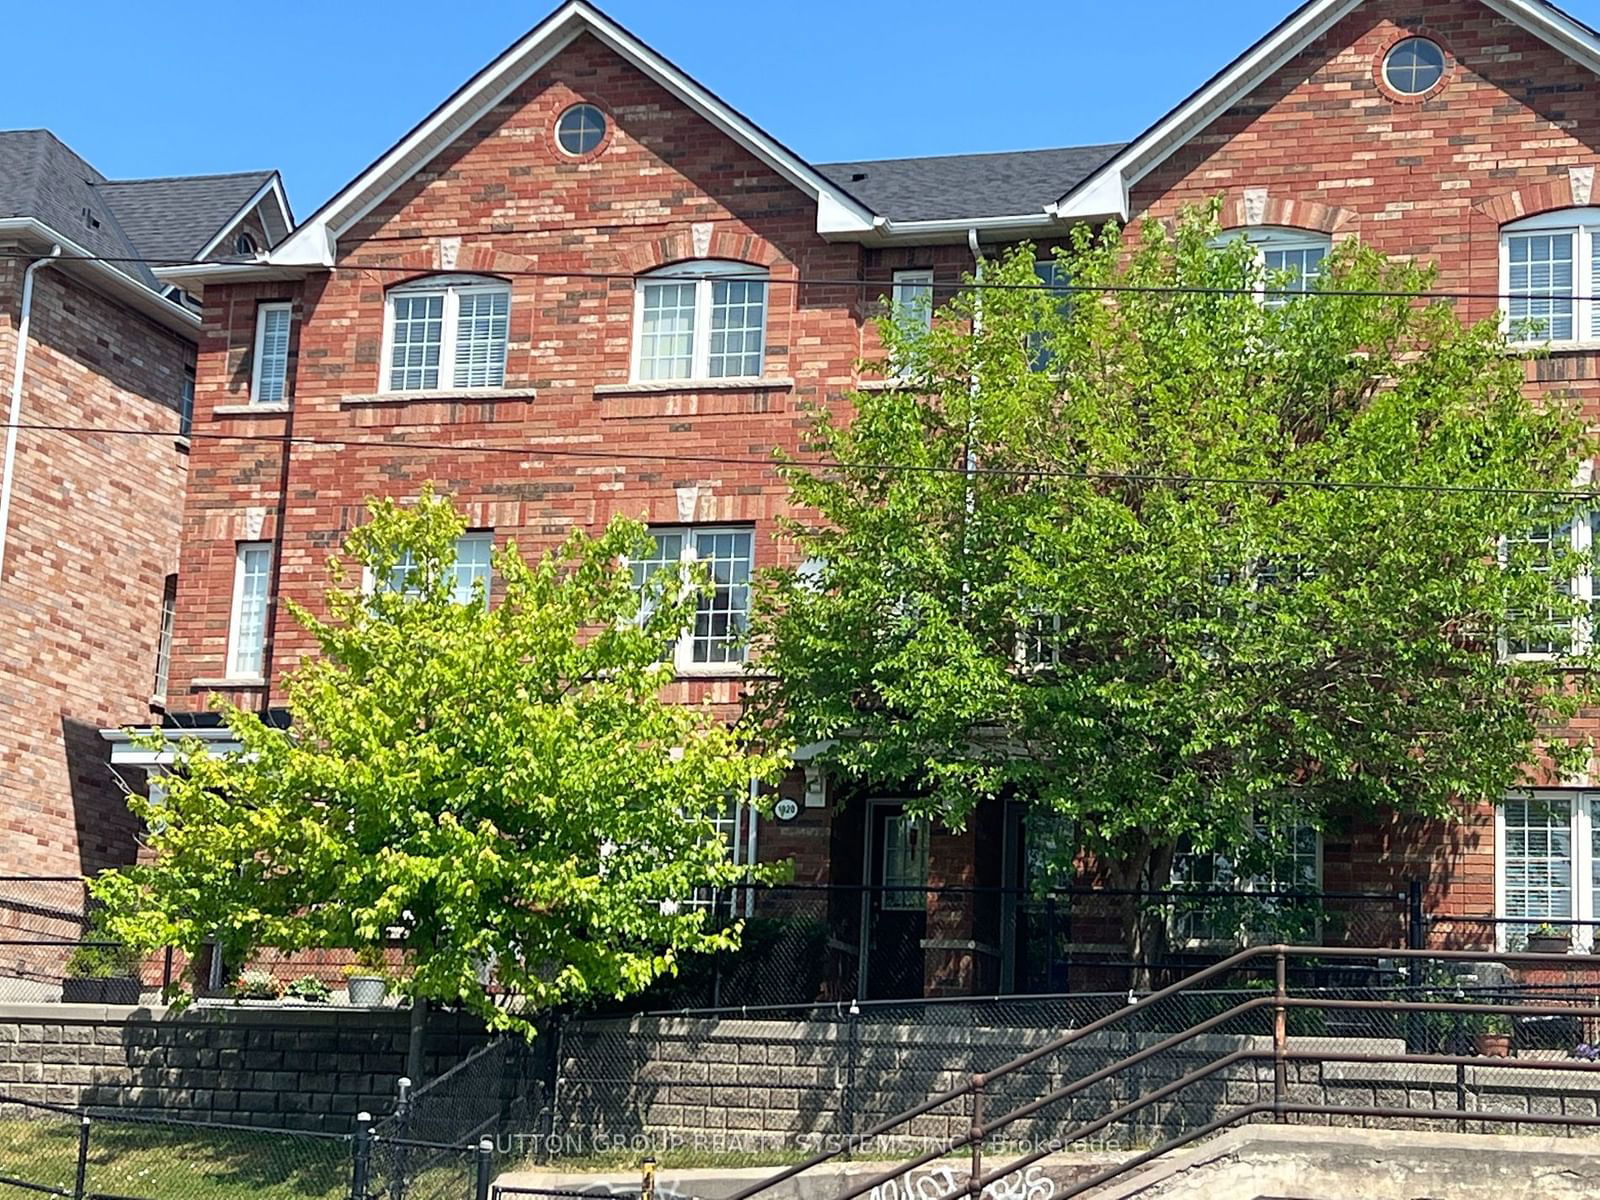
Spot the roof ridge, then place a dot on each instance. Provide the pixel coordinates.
(976, 154)
(264, 173)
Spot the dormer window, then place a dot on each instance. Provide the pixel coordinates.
(449, 331)
(700, 320)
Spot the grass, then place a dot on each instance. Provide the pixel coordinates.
(165, 1163)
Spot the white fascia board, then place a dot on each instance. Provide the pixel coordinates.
(124, 753)
(955, 229)
(1102, 198)
(313, 244)
(1167, 135)
(106, 276)
(271, 189)
(243, 272)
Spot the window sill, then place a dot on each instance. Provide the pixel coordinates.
(710, 671)
(656, 386)
(437, 394)
(882, 385)
(250, 410)
(239, 681)
(1583, 347)
(181, 442)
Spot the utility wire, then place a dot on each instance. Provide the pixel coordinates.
(868, 281)
(530, 450)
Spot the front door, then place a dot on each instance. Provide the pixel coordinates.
(896, 902)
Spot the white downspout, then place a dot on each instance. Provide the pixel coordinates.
(14, 415)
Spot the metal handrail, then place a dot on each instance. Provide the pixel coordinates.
(1280, 1002)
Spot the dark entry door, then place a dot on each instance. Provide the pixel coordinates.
(897, 902)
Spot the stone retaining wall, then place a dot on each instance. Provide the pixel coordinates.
(764, 1086)
(295, 1067)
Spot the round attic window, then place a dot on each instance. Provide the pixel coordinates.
(244, 244)
(1413, 66)
(579, 129)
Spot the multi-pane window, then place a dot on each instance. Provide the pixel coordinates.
(715, 638)
(1288, 863)
(1547, 275)
(446, 332)
(1291, 269)
(911, 307)
(269, 376)
(247, 636)
(701, 320)
(169, 609)
(1537, 858)
(1288, 261)
(666, 554)
(186, 402)
(470, 567)
(1053, 276)
(1552, 628)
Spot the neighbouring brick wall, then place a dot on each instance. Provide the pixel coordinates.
(302, 1068)
(93, 532)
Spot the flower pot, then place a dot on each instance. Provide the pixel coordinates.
(116, 990)
(1549, 943)
(367, 991)
(1493, 1045)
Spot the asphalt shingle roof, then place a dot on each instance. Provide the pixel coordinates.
(130, 221)
(954, 186)
(173, 219)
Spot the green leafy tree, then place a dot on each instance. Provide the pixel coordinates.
(1118, 553)
(499, 785)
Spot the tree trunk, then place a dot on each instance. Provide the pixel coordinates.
(1146, 869)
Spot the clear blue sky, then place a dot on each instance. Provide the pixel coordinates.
(319, 89)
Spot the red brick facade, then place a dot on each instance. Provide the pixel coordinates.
(93, 532)
(1320, 146)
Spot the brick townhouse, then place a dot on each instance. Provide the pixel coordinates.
(526, 269)
(89, 522)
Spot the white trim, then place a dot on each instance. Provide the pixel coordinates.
(1106, 192)
(140, 296)
(273, 187)
(1583, 224)
(314, 242)
(451, 288)
(257, 353)
(1584, 803)
(217, 739)
(241, 550)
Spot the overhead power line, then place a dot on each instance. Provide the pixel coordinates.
(879, 282)
(534, 450)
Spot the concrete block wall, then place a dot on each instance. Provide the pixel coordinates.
(767, 1086)
(298, 1068)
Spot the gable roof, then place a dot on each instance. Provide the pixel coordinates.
(177, 218)
(41, 177)
(956, 186)
(838, 211)
(1105, 192)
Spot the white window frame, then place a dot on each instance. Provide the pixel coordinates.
(1263, 238)
(1584, 226)
(683, 649)
(241, 551)
(259, 361)
(1247, 884)
(371, 585)
(169, 613)
(704, 273)
(451, 288)
(1581, 532)
(1585, 806)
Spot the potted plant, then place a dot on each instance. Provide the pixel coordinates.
(366, 981)
(101, 969)
(1492, 1036)
(308, 989)
(255, 985)
(1547, 939)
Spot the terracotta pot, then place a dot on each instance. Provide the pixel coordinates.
(1493, 1045)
